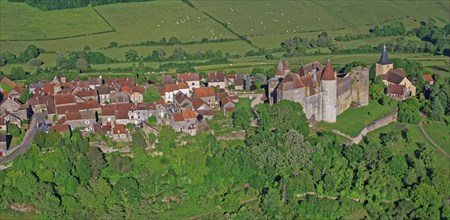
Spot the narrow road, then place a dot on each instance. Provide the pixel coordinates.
(429, 138)
(27, 139)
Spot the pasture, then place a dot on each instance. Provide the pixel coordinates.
(19, 21)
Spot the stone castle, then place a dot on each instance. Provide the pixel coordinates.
(322, 92)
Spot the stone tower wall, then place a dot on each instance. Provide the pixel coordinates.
(344, 94)
(329, 88)
(360, 89)
(383, 69)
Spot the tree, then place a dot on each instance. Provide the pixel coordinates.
(13, 129)
(151, 94)
(242, 118)
(113, 44)
(437, 110)
(82, 65)
(131, 55)
(7, 58)
(179, 53)
(24, 96)
(35, 62)
(17, 73)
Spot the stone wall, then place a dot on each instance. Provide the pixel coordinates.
(313, 107)
(344, 94)
(381, 122)
(360, 86)
(235, 135)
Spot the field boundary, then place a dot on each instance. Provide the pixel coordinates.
(243, 38)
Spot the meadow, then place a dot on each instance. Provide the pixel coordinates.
(439, 133)
(23, 22)
(265, 24)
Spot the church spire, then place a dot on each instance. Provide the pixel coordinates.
(384, 57)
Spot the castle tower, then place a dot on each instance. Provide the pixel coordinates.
(286, 69)
(280, 69)
(383, 65)
(329, 96)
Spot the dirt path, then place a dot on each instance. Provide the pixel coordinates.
(429, 138)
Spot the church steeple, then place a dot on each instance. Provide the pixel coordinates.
(384, 57)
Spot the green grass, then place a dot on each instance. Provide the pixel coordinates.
(19, 21)
(353, 120)
(400, 147)
(439, 133)
(6, 87)
(244, 103)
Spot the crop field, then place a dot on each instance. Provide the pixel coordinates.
(266, 24)
(19, 21)
(279, 17)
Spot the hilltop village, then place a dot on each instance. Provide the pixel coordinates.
(186, 103)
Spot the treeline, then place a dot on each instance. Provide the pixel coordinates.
(63, 4)
(298, 45)
(28, 55)
(395, 28)
(172, 41)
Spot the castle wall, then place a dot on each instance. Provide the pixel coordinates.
(313, 107)
(344, 94)
(360, 87)
(295, 95)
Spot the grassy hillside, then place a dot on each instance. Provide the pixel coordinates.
(23, 22)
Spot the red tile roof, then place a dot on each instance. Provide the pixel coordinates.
(88, 105)
(60, 128)
(188, 114)
(216, 77)
(119, 129)
(198, 102)
(184, 77)
(203, 92)
(396, 89)
(328, 72)
(61, 99)
(428, 78)
(8, 81)
(86, 93)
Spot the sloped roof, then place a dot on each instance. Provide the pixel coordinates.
(61, 99)
(188, 114)
(384, 57)
(86, 93)
(119, 129)
(328, 72)
(428, 77)
(216, 77)
(396, 89)
(395, 76)
(291, 81)
(203, 92)
(198, 102)
(184, 77)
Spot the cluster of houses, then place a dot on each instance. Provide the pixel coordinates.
(106, 105)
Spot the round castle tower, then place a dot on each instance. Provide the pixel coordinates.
(329, 89)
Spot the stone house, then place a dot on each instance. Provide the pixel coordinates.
(95, 82)
(192, 79)
(85, 119)
(15, 92)
(41, 103)
(9, 104)
(206, 94)
(202, 108)
(397, 92)
(87, 95)
(182, 101)
(217, 80)
(65, 100)
(227, 104)
(141, 112)
(120, 133)
(11, 118)
(119, 97)
(104, 93)
(398, 77)
(171, 89)
(136, 93)
(185, 121)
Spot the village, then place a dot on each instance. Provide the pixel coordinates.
(109, 106)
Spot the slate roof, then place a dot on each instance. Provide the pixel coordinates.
(216, 77)
(384, 57)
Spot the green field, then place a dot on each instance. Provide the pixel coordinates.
(401, 147)
(23, 22)
(352, 121)
(439, 133)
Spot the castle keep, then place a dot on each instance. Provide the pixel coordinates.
(322, 93)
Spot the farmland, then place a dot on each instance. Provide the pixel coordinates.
(264, 25)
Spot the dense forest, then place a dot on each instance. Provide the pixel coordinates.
(62, 4)
(282, 171)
